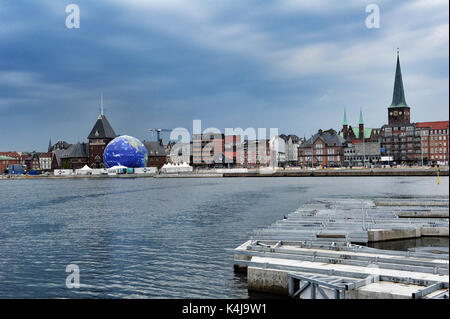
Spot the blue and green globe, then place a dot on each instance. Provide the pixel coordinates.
(126, 151)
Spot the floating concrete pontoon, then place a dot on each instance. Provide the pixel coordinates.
(310, 254)
(360, 221)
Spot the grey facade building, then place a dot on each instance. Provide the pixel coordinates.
(362, 153)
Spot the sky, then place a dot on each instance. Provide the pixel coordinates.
(294, 65)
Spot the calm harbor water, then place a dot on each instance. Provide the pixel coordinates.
(153, 238)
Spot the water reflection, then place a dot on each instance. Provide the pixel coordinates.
(430, 244)
(156, 238)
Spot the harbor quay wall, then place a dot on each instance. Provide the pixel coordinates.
(277, 173)
(342, 173)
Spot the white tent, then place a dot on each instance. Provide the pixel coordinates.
(86, 170)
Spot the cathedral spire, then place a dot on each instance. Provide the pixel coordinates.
(398, 99)
(345, 117)
(361, 121)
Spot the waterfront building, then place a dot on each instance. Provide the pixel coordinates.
(324, 148)
(217, 150)
(157, 155)
(56, 158)
(60, 145)
(233, 151)
(256, 153)
(362, 145)
(31, 161)
(179, 152)
(362, 154)
(360, 134)
(277, 151)
(76, 156)
(101, 134)
(434, 142)
(292, 144)
(15, 155)
(6, 161)
(45, 161)
(206, 148)
(400, 139)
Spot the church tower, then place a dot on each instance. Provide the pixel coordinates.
(101, 134)
(361, 125)
(345, 126)
(399, 111)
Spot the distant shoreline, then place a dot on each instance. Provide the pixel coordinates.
(279, 173)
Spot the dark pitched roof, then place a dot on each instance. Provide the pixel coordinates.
(31, 156)
(398, 98)
(76, 151)
(330, 138)
(58, 153)
(154, 149)
(60, 145)
(284, 137)
(102, 129)
(293, 137)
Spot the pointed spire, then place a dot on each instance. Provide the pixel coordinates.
(345, 117)
(50, 144)
(398, 99)
(101, 104)
(361, 121)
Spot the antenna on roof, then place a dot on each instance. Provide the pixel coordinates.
(101, 103)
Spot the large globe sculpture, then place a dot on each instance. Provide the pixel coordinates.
(126, 151)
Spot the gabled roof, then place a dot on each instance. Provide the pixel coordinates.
(102, 129)
(58, 153)
(284, 137)
(48, 154)
(78, 150)
(331, 139)
(398, 98)
(60, 145)
(294, 138)
(154, 148)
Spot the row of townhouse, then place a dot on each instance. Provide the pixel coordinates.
(29, 161)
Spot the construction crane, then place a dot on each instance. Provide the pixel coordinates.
(158, 131)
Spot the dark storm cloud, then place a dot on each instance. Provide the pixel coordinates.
(288, 64)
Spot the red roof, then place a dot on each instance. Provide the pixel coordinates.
(10, 154)
(46, 155)
(439, 125)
